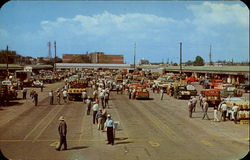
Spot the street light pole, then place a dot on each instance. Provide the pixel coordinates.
(7, 58)
(181, 58)
(134, 54)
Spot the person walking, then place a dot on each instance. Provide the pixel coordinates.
(101, 97)
(104, 117)
(216, 114)
(106, 99)
(99, 119)
(65, 96)
(35, 96)
(109, 126)
(95, 108)
(62, 130)
(205, 109)
(235, 109)
(24, 91)
(51, 97)
(194, 102)
(32, 94)
(190, 109)
(88, 103)
(58, 97)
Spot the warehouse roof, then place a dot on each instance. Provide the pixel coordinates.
(10, 66)
(211, 69)
(40, 66)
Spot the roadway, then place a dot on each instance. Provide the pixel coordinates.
(148, 130)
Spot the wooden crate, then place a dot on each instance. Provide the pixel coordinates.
(244, 121)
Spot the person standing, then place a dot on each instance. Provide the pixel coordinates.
(106, 99)
(109, 125)
(65, 96)
(95, 108)
(51, 97)
(88, 103)
(41, 86)
(235, 109)
(104, 117)
(84, 95)
(190, 109)
(129, 93)
(35, 96)
(216, 114)
(62, 130)
(223, 109)
(205, 109)
(162, 92)
(24, 91)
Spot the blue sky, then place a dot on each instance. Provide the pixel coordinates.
(113, 27)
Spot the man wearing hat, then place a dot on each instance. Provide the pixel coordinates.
(62, 129)
(109, 125)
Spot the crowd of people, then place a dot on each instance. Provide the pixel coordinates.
(225, 111)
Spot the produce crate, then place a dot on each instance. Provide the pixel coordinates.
(244, 121)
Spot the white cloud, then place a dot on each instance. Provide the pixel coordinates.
(212, 14)
(108, 24)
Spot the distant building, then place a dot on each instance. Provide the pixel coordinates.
(143, 61)
(95, 57)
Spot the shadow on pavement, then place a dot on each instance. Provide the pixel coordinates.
(123, 142)
(121, 139)
(78, 147)
(9, 104)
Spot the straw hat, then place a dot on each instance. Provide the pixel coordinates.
(61, 118)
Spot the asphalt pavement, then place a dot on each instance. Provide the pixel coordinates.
(148, 130)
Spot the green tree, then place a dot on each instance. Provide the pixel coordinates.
(198, 61)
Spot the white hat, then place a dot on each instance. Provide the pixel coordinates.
(108, 115)
(61, 118)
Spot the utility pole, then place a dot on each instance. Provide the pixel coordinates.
(181, 58)
(134, 54)
(7, 57)
(55, 57)
(49, 52)
(210, 56)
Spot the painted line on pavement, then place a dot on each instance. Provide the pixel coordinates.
(39, 134)
(38, 124)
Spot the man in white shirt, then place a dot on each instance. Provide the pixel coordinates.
(65, 95)
(235, 112)
(95, 109)
(223, 109)
(84, 95)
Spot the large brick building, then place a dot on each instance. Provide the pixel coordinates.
(95, 57)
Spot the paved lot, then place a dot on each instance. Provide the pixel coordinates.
(148, 130)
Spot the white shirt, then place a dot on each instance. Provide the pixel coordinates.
(95, 107)
(64, 93)
(223, 107)
(235, 108)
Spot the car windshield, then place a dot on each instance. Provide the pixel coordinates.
(182, 88)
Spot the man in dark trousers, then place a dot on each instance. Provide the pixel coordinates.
(24, 92)
(62, 130)
(109, 125)
(35, 98)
